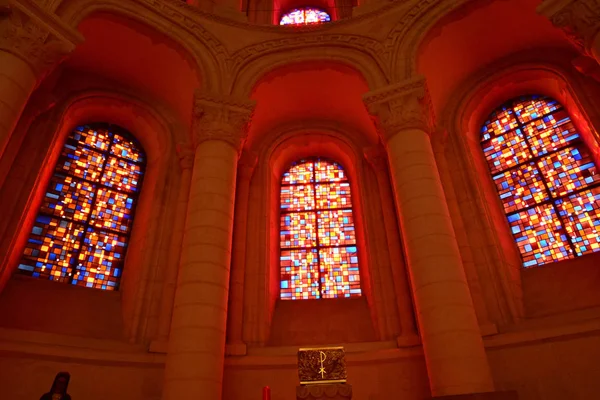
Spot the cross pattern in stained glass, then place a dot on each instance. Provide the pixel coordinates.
(520, 187)
(305, 16)
(81, 231)
(581, 213)
(317, 235)
(568, 169)
(546, 178)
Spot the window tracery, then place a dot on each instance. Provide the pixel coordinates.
(318, 256)
(81, 231)
(546, 178)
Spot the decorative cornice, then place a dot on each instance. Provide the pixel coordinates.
(318, 392)
(579, 19)
(221, 118)
(185, 154)
(37, 38)
(401, 106)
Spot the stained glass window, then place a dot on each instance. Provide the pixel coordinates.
(304, 16)
(319, 256)
(546, 178)
(80, 233)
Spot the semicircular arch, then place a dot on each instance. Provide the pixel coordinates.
(208, 54)
(249, 74)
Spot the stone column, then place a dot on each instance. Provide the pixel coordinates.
(580, 20)
(194, 365)
(452, 343)
(185, 153)
(235, 327)
(32, 42)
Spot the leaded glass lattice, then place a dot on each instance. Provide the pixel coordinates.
(80, 233)
(304, 16)
(546, 178)
(319, 256)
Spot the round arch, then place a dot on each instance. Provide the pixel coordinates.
(205, 50)
(248, 75)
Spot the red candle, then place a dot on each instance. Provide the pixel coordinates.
(266, 393)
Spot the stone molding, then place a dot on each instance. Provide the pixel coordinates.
(377, 157)
(338, 391)
(218, 117)
(185, 154)
(401, 106)
(579, 19)
(247, 163)
(27, 32)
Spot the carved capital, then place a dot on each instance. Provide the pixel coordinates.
(185, 153)
(340, 391)
(402, 106)
(38, 39)
(579, 19)
(221, 118)
(377, 157)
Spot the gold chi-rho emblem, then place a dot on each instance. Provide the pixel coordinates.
(322, 365)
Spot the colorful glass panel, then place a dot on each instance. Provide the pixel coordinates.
(298, 230)
(520, 187)
(300, 274)
(546, 178)
(317, 236)
(81, 231)
(339, 272)
(304, 16)
(581, 213)
(506, 150)
(501, 121)
(297, 198)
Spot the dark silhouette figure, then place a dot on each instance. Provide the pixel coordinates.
(58, 391)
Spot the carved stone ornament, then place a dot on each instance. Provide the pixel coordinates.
(221, 118)
(402, 106)
(579, 19)
(25, 34)
(339, 391)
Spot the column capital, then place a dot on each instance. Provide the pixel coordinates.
(579, 19)
(218, 117)
(404, 105)
(38, 38)
(185, 154)
(377, 157)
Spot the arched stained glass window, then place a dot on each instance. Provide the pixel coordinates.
(81, 231)
(304, 16)
(546, 179)
(318, 241)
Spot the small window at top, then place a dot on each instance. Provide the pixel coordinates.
(304, 16)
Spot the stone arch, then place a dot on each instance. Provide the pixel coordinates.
(158, 132)
(460, 122)
(258, 65)
(406, 37)
(208, 54)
